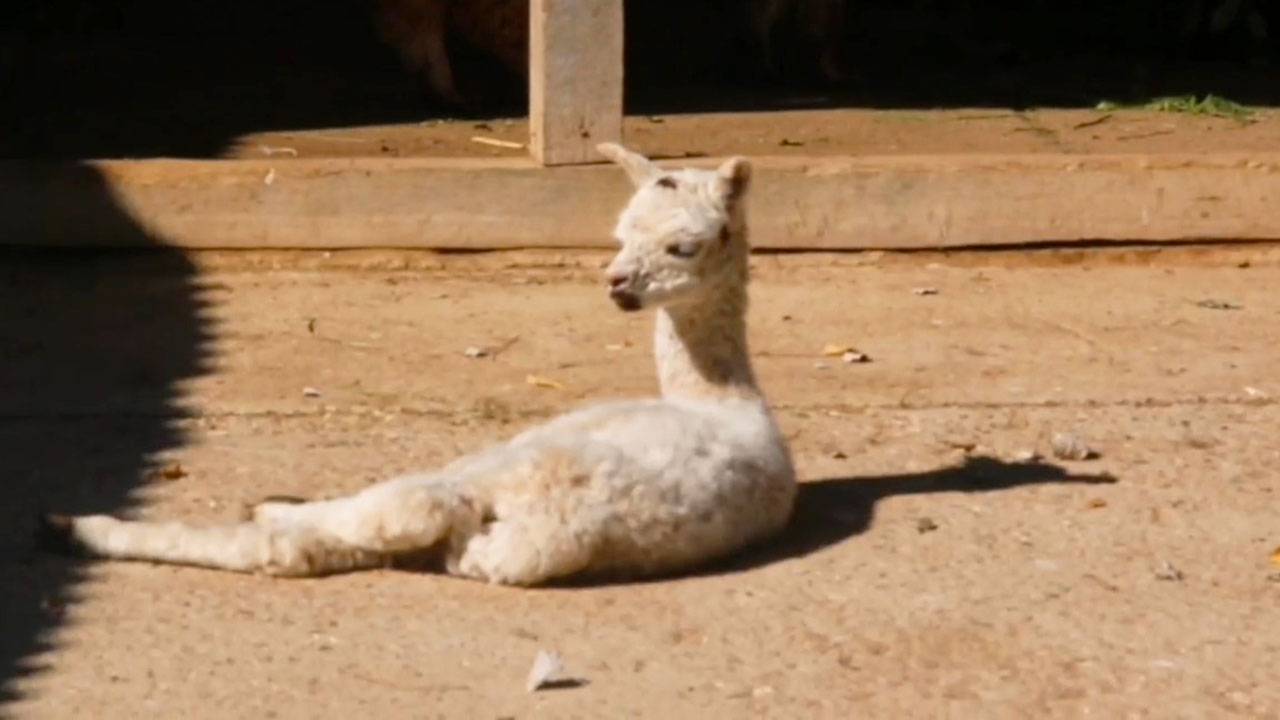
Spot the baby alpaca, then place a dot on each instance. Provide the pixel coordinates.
(629, 488)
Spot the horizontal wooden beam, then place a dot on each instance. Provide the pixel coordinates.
(798, 202)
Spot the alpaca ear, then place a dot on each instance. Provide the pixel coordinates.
(639, 168)
(735, 178)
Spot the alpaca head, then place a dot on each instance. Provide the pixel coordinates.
(682, 233)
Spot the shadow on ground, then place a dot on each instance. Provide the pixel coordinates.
(93, 346)
(833, 510)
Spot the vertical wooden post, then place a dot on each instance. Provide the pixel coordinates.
(575, 78)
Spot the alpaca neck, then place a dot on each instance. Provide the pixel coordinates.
(701, 349)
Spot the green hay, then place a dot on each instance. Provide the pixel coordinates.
(1210, 105)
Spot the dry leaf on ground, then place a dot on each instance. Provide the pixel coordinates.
(834, 350)
(542, 382)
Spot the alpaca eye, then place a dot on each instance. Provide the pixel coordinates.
(683, 249)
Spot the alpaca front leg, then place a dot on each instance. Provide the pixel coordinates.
(824, 25)
(762, 19)
(525, 551)
(429, 53)
(271, 548)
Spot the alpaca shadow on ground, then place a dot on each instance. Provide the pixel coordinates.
(833, 510)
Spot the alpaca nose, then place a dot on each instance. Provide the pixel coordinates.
(617, 280)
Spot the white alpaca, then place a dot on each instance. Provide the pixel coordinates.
(628, 488)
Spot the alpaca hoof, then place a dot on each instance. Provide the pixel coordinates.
(447, 95)
(55, 534)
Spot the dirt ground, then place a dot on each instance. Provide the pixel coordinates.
(931, 570)
(807, 132)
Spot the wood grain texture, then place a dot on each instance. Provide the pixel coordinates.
(575, 78)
